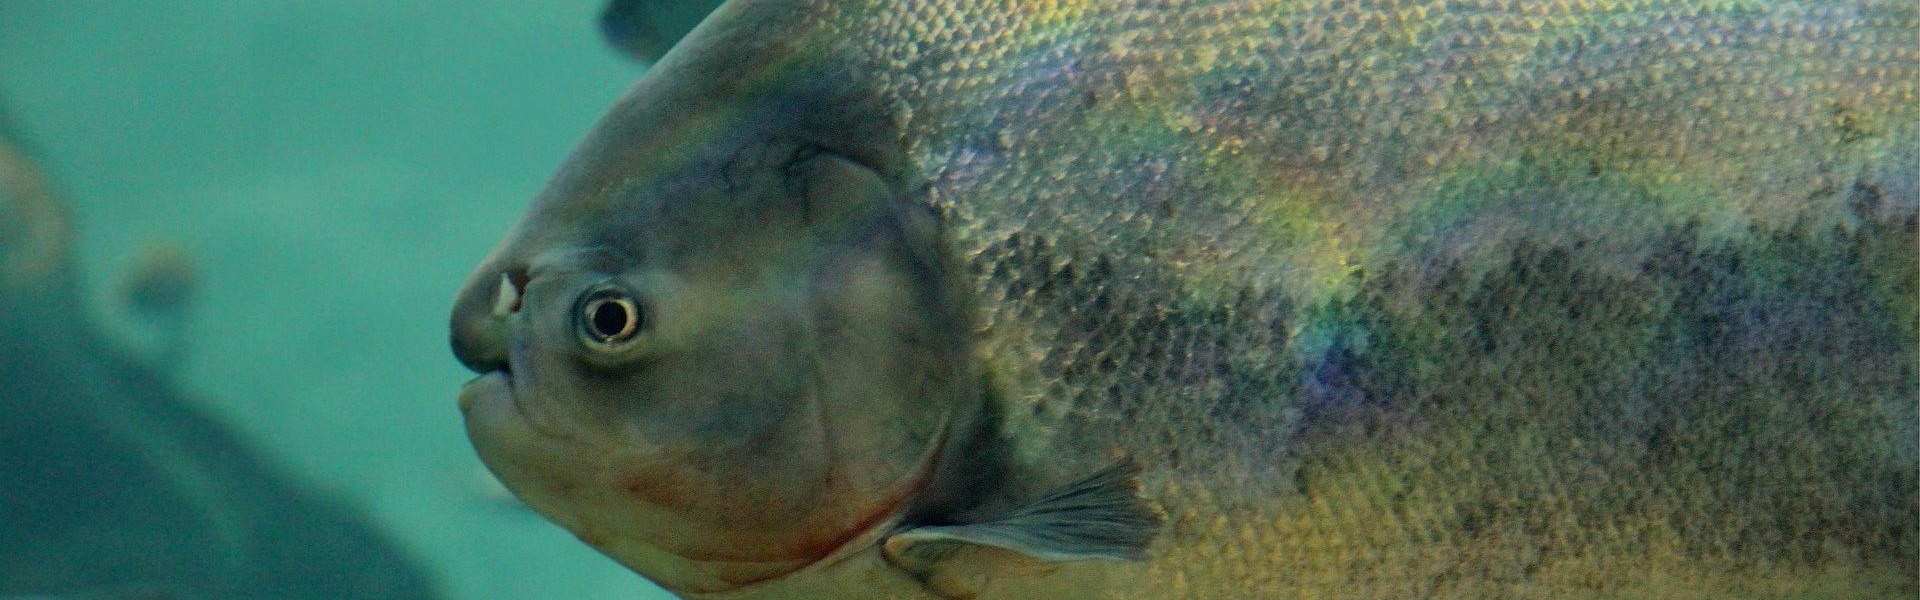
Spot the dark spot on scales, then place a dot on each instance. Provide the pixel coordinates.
(647, 489)
(565, 487)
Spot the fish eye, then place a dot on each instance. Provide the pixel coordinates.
(608, 317)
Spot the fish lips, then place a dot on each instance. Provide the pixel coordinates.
(508, 436)
(487, 397)
(496, 423)
(498, 399)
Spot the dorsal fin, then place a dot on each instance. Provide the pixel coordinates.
(645, 29)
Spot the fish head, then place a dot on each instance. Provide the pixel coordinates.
(719, 347)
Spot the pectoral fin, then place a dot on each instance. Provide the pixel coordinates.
(1100, 517)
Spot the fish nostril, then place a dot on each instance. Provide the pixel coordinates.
(513, 285)
(480, 322)
(518, 277)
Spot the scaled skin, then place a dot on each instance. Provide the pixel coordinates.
(1392, 299)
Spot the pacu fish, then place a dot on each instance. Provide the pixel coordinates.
(1229, 299)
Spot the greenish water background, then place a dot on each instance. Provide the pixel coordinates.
(335, 167)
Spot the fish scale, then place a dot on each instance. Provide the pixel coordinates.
(1309, 150)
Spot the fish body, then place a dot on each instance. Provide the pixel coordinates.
(1378, 299)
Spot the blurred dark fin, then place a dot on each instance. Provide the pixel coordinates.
(1099, 517)
(159, 288)
(161, 282)
(644, 29)
(627, 26)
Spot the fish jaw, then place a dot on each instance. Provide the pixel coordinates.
(590, 488)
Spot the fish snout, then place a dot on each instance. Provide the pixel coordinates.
(483, 314)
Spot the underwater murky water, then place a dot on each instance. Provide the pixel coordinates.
(333, 170)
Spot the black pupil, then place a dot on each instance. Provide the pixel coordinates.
(610, 319)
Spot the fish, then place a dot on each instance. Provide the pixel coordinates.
(120, 485)
(1183, 299)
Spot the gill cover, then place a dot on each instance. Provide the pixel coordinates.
(719, 347)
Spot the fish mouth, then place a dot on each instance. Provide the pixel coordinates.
(498, 422)
(489, 397)
(502, 397)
